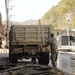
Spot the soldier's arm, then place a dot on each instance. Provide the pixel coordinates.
(47, 43)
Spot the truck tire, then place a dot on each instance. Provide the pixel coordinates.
(12, 57)
(44, 58)
(33, 60)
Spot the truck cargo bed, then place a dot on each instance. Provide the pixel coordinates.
(26, 34)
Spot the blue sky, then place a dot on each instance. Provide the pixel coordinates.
(27, 9)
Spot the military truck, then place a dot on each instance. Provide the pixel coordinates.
(25, 41)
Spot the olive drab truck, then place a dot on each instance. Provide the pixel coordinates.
(25, 41)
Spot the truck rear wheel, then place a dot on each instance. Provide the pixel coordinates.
(33, 60)
(44, 58)
(12, 57)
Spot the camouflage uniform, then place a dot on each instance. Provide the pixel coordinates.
(54, 49)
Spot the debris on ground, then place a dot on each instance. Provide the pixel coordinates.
(32, 70)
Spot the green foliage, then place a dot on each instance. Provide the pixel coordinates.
(57, 15)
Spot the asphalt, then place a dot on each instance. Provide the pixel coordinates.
(65, 62)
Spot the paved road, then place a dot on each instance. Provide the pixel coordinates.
(66, 61)
(3, 58)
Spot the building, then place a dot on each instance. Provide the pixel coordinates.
(2, 27)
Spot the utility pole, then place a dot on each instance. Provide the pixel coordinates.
(7, 14)
(7, 21)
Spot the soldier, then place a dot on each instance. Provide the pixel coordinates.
(54, 49)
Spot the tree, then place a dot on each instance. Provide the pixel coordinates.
(56, 16)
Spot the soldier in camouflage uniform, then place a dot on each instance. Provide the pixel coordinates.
(54, 49)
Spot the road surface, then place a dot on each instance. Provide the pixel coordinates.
(66, 61)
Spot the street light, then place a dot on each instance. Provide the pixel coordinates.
(68, 26)
(68, 22)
